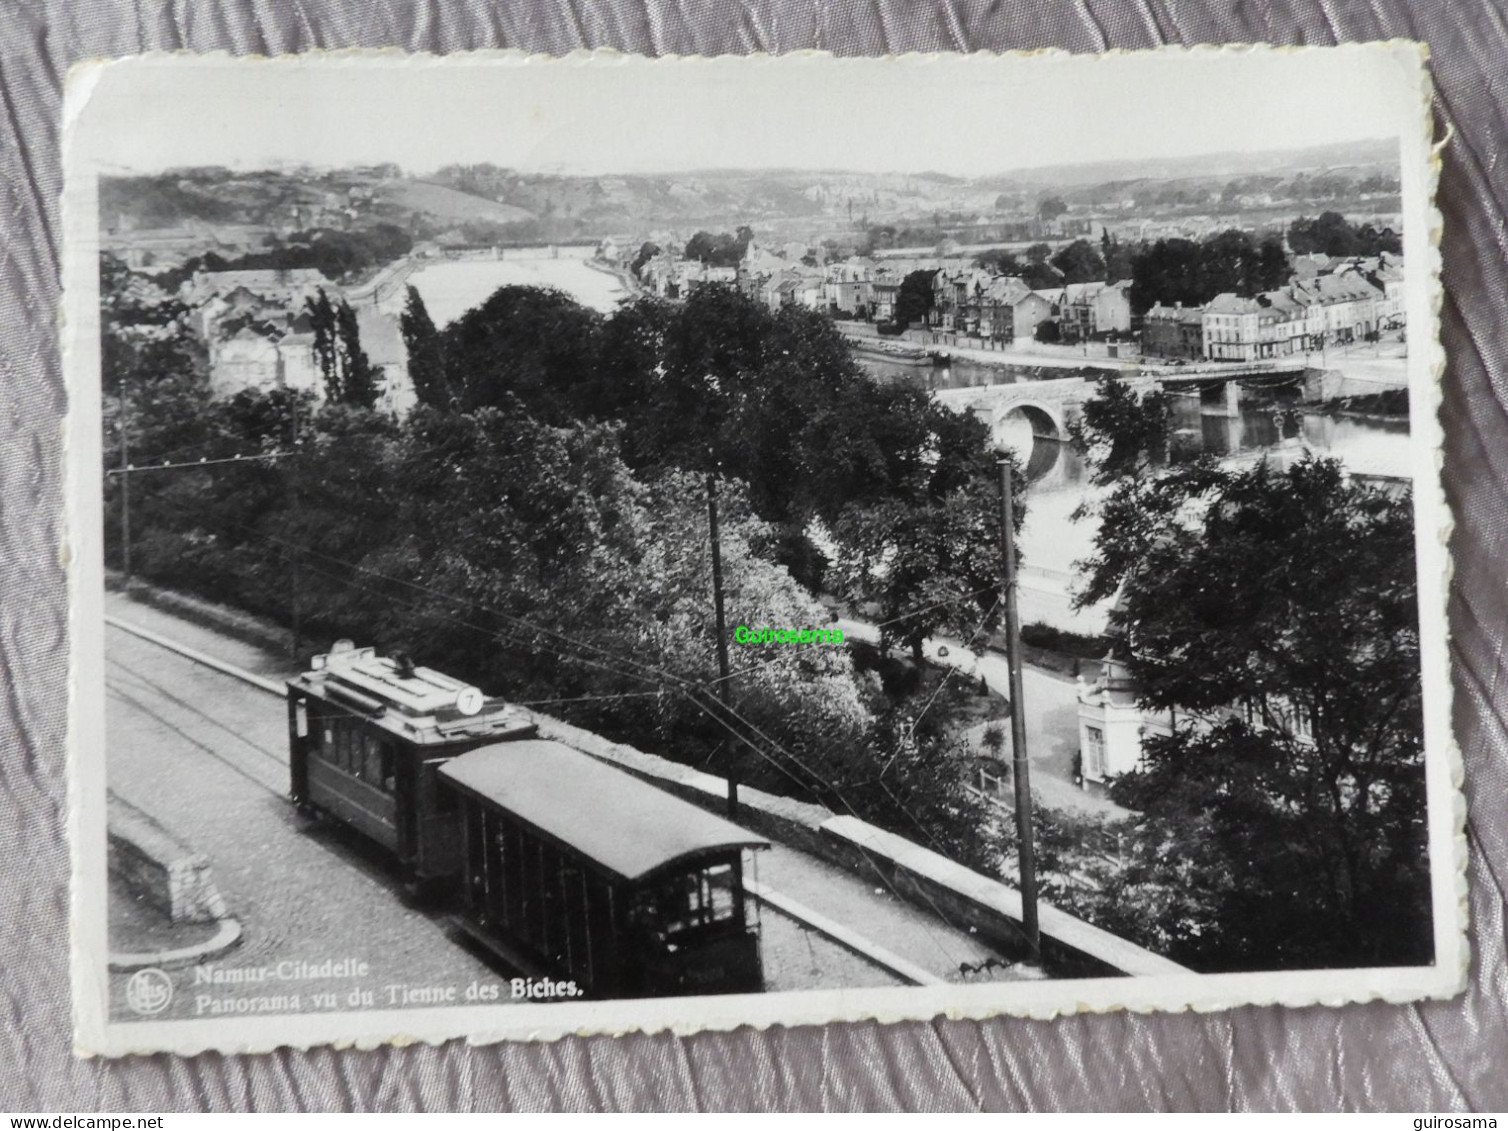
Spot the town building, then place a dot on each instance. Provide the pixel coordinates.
(1089, 311)
(1175, 331)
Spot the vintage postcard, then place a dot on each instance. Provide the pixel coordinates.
(603, 544)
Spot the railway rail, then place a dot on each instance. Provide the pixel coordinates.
(775, 902)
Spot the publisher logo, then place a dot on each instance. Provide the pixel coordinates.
(149, 991)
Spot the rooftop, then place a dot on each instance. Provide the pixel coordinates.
(625, 825)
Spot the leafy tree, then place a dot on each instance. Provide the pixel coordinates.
(999, 260)
(647, 251)
(1275, 612)
(914, 298)
(722, 250)
(525, 342)
(1038, 254)
(1165, 272)
(323, 324)
(360, 381)
(350, 377)
(426, 357)
(931, 563)
(1332, 234)
(1050, 208)
(1118, 257)
(1079, 262)
(1227, 263)
(1121, 432)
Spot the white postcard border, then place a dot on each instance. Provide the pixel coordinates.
(95, 1034)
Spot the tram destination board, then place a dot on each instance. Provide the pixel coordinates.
(715, 542)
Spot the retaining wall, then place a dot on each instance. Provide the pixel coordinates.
(1070, 947)
(159, 868)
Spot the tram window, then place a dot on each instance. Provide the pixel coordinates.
(685, 902)
(717, 893)
(371, 761)
(301, 718)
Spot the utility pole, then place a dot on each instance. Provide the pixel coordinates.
(723, 689)
(1019, 762)
(125, 487)
(293, 555)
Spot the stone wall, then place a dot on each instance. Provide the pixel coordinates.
(159, 868)
(1071, 947)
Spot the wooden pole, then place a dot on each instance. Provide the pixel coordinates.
(1020, 764)
(723, 688)
(293, 554)
(125, 487)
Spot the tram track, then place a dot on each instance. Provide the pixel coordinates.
(772, 901)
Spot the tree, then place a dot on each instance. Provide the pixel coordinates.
(1332, 234)
(1121, 432)
(1168, 271)
(913, 300)
(1119, 257)
(322, 322)
(1275, 612)
(721, 250)
(647, 251)
(1079, 262)
(1050, 208)
(426, 356)
(360, 381)
(1272, 270)
(931, 563)
(999, 260)
(526, 342)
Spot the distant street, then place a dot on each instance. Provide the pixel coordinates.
(1052, 715)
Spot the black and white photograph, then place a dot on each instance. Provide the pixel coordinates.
(603, 544)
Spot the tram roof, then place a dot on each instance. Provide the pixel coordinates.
(625, 825)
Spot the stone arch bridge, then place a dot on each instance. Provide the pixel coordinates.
(1023, 411)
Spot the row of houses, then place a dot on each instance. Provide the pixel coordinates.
(1348, 304)
(257, 334)
(967, 300)
(1001, 308)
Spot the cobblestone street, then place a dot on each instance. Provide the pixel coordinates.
(205, 756)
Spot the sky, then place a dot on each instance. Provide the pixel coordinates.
(962, 115)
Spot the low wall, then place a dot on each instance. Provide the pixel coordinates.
(159, 868)
(245, 627)
(1332, 384)
(1071, 947)
(796, 823)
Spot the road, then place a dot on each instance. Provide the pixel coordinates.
(205, 756)
(1052, 716)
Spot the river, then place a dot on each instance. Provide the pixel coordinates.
(452, 287)
(1052, 541)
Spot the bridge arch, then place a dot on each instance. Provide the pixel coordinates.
(1033, 430)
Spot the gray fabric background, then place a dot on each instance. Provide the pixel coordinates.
(1434, 1057)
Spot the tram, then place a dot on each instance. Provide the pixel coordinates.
(580, 872)
(575, 874)
(366, 735)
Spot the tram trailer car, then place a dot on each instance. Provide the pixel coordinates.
(563, 867)
(581, 872)
(366, 735)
